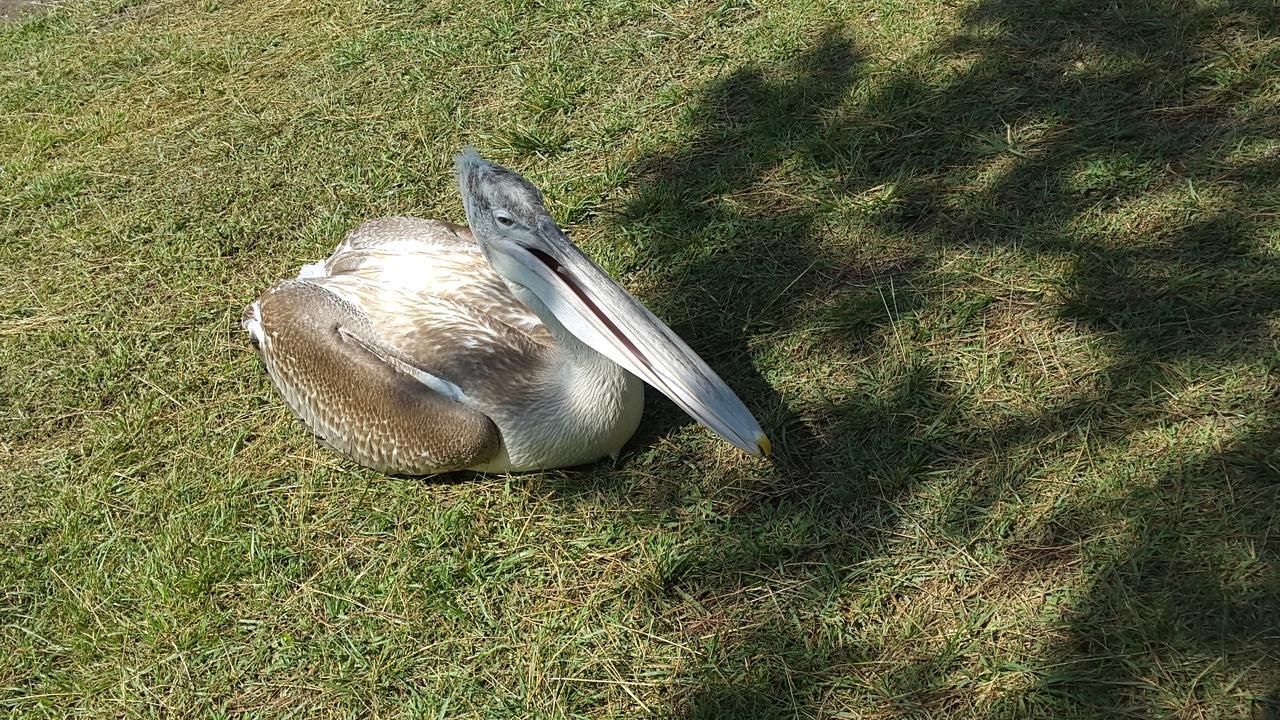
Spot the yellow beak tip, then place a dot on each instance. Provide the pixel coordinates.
(766, 447)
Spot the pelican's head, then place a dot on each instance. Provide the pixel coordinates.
(553, 277)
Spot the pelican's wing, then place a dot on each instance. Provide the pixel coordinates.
(367, 399)
(400, 258)
(430, 294)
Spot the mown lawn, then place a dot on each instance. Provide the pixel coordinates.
(1000, 277)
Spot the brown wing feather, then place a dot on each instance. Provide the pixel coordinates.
(365, 408)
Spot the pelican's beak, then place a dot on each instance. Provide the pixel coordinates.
(604, 316)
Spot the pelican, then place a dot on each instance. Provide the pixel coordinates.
(421, 347)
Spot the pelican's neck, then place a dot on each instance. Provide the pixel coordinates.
(589, 382)
(571, 350)
(584, 405)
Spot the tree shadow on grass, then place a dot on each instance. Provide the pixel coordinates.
(1266, 708)
(1065, 113)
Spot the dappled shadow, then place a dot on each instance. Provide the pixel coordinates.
(1062, 113)
(1266, 708)
(1182, 597)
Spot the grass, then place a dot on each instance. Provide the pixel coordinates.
(1001, 278)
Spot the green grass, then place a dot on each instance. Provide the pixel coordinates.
(1000, 277)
